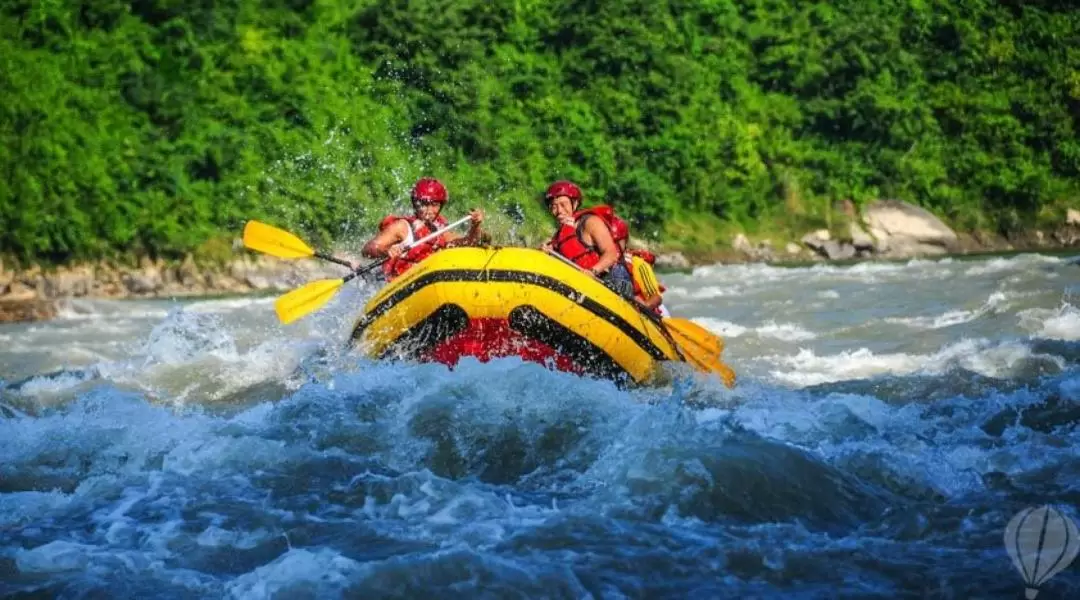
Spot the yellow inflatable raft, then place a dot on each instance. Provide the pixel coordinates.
(495, 302)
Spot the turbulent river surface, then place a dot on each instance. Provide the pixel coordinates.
(889, 421)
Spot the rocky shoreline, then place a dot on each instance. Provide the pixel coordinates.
(884, 230)
(34, 294)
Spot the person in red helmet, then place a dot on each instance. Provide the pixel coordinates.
(429, 196)
(647, 290)
(584, 238)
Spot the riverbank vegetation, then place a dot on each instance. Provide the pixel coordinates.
(157, 127)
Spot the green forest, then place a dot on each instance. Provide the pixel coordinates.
(158, 127)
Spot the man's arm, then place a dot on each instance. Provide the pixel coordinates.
(473, 237)
(469, 240)
(380, 245)
(651, 303)
(605, 244)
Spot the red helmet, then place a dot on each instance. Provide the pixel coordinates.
(562, 188)
(619, 230)
(429, 189)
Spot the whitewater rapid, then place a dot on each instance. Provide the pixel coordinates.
(889, 420)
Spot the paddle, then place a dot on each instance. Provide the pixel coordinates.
(708, 347)
(282, 244)
(314, 295)
(699, 346)
(696, 334)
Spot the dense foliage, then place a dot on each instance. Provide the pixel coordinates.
(160, 125)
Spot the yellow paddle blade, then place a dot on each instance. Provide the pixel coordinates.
(709, 364)
(701, 351)
(695, 334)
(275, 242)
(304, 300)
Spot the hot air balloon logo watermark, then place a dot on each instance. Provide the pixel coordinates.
(1041, 542)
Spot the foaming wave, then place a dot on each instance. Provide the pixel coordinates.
(705, 293)
(1062, 323)
(721, 327)
(81, 309)
(996, 303)
(25, 507)
(191, 355)
(187, 335)
(42, 387)
(1014, 263)
(229, 304)
(988, 358)
(868, 438)
(95, 310)
(947, 319)
(807, 368)
(787, 332)
(298, 571)
(737, 277)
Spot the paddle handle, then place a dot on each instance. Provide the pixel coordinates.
(556, 254)
(422, 240)
(436, 234)
(564, 259)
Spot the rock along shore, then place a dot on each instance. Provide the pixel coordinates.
(33, 294)
(885, 230)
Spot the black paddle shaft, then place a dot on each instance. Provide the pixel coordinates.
(364, 269)
(333, 259)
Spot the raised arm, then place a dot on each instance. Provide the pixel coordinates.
(475, 234)
(380, 245)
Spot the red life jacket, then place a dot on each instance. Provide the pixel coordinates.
(394, 267)
(568, 241)
(615, 224)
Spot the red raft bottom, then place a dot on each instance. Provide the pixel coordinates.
(485, 339)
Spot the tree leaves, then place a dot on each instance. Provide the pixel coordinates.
(156, 125)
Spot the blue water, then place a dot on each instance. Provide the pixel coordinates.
(889, 421)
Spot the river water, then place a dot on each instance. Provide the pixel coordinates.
(890, 419)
